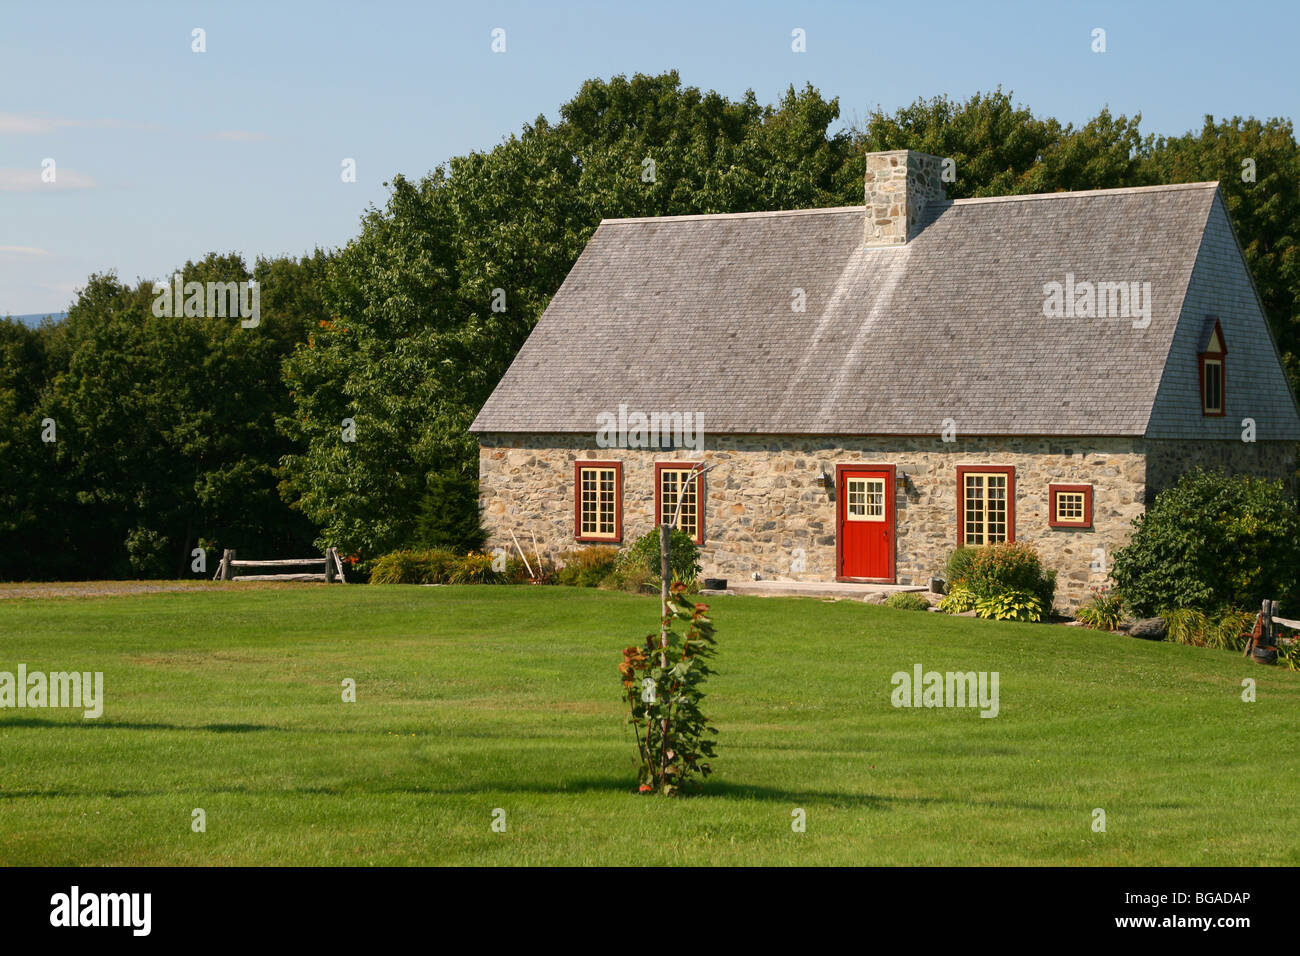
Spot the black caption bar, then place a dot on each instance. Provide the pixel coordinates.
(142, 906)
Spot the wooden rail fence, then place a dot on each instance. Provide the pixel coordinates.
(331, 564)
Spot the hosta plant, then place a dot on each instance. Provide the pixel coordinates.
(958, 600)
(1011, 606)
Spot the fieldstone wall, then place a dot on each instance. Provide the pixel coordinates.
(765, 515)
(1167, 459)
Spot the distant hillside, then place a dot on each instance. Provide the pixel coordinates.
(35, 317)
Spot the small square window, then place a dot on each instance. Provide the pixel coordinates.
(1070, 506)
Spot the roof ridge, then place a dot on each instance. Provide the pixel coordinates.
(818, 210)
(1079, 193)
(826, 210)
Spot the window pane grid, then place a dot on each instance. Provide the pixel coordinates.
(875, 498)
(598, 496)
(1069, 506)
(864, 499)
(671, 481)
(986, 509)
(857, 496)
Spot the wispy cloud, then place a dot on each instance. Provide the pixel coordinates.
(29, 124)
(238, 136)
(29, 180)
(20, 124)
(15, 252)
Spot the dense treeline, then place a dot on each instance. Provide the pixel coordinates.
(177, 433)
(130, 439)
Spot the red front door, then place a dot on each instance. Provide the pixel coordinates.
(866, 523)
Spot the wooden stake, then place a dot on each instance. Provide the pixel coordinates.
(521, 552)
(665, 571)
(665, 534)
(537, 554)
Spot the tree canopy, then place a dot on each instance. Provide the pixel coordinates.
(342, 419)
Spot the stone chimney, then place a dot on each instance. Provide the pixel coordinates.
(899, 184)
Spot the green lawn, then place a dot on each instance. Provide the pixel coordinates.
(476, 698)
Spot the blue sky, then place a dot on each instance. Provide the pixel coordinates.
(163, 154)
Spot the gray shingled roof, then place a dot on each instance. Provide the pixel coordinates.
(693, 314)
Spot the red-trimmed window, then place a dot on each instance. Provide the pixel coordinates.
(598, 500)
(1069, 506)
(671, 479)
(986, 504)
(1213, 367)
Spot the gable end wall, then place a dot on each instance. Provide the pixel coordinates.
(1256, 384)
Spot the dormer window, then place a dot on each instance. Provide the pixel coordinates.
(1213, 361)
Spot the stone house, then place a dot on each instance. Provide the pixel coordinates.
(876, 385)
